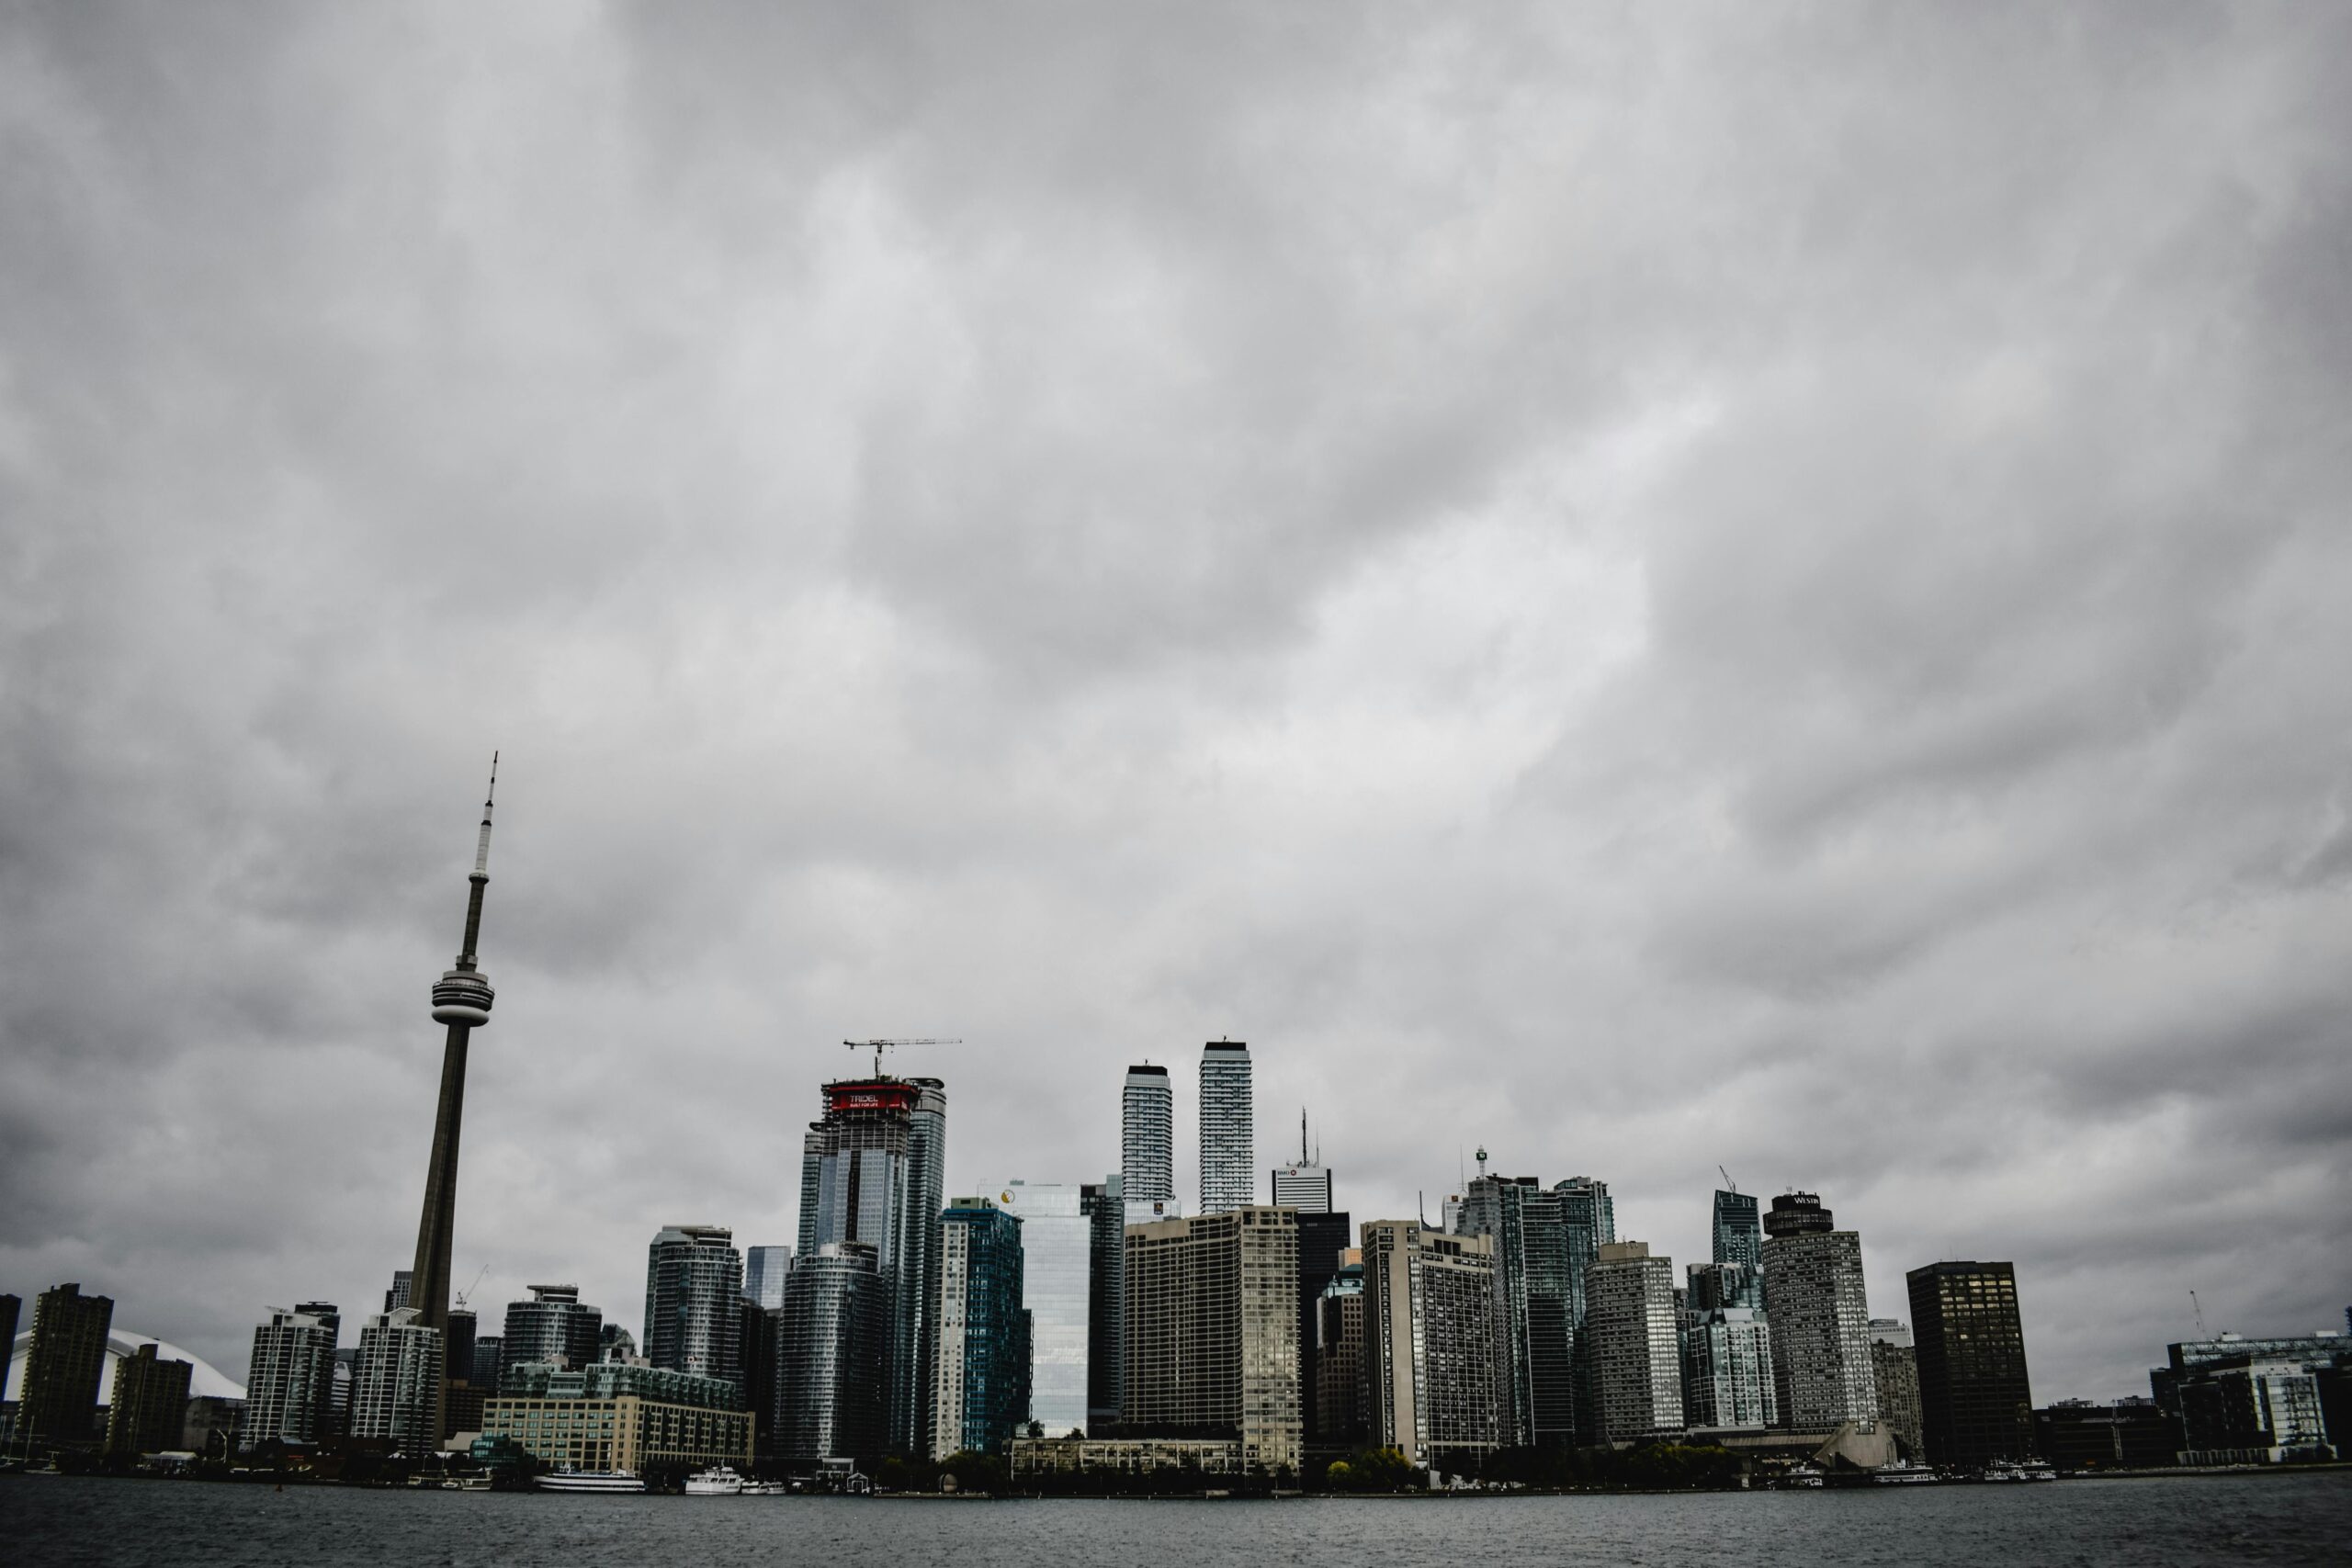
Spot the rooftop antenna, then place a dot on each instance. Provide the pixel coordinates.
(1301, 1136)
(1421, 1207)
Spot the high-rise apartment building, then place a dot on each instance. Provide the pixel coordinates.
(1228, 1128)
(1212, 1330)
(1895, 1368)
(1057, 1241)
(1975, 1403)
(1338, 1359)
(833, 1355)
(693, 1301)
(149, 1406)
(396, 1383)
(290, 1383)
(554, 1323)
(57, 1396)
(871, 1174)
(1534, 1331)
(1105, 1204)
(1728, 1370)
(1147, 1135)
(1630, 1334)
(1739, 1236)
(1820, 1316)
(1429, 1344)
(983, 1365)
(764, 1271)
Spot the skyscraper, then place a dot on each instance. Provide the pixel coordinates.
(1739, 1238)
(833, 1355)
(1212, 1330)
(1429, 1344)
(553, 1322)
(57, 1397)
(1323, 1241)
(1589, 1221)
(1057, 1241)
(396, 1385)
(983, 1366)
(1727, 1370)
(1147, 1135)
(1814, 1299)
(1305, 1186)
(1340, 1419)
(693, 1301)
(1630, 1333)
(1105, 1204)
(461, 1000)
(149, 1407)
(289, 1384)
(1975, 1406)
(1534, 1333)
(871, 1173)
(1228, 1128)
(764, 1271)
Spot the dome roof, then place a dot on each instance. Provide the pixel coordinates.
(204, 1379)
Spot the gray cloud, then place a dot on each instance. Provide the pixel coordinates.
(1642, 590)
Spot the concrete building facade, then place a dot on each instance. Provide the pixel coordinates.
(1429, 1344)
(1212, 1332)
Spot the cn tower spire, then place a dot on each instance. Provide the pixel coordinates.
(461, 1000)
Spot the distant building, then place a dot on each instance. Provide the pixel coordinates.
(148, 1409)
(833, 1351)
(1338, 1359)
(1104, 1205)
(984, 1362)
(553, 1322)
(1535, 1324)
(1305, 1186)
(1323, 1240)
(620, 1415)
(210, 1424)
(1728, 1370)
(396, 1381)
(1056, 1240)
(2188, 1357)
(1228, 1128)
(1630, 1330)
(1212, 1332)
(2257, 1410)
(57, 1396)
(614, 1343)
(489, 1352)
(1975, 1406)
(2131, 1434)
(1713, 1285)
(1895, 1369)
(693, 1301)
(764, 1271)
(1814, 1299)
(403, 1283)
(1429, 1344)
(1739, 1238)
(1147, 1137)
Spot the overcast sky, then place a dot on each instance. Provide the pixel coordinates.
(1640, 586)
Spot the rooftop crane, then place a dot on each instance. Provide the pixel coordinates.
(878, 1046)
(2199, 1311)
(1729, 1185)
(470, 1290)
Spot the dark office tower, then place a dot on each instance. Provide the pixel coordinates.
(458, 1345)
(1228, 1128)
(1323, 1242)
(763, 1368)
(1589, 1221)
(1104, 1205)
(1822, 1373)
(1340, 1419)
(461, 1000)
(490, 1351)
(1974, 1404)
(1147, 1135)
(291, 1382)
(1534, 1334)
(403, 1287)
(693, 1301)
(553, 1322)
(871, 1174)
(149, 1407)
(57, 1396)
(983, 1365)
(835, 1355)
(1738, 1237)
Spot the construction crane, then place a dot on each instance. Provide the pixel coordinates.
(1729, 1185)
(470, 1290)
(878, 1046)
(2199, 1311)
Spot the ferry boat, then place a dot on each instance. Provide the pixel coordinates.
(765, 1488)
(1904, 1473)
(719, 1481)
(588, 1481)
(2020, 1470)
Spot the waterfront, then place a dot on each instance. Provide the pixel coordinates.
(2282, 1519)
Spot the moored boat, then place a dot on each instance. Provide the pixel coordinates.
(588, 1481)
(719, 1481)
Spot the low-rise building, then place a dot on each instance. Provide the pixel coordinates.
(1134, 1456)
(620, 1415)
(2131, 1434)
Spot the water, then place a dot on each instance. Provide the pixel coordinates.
(2303, 1518)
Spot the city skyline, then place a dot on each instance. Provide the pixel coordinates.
(1586, 597)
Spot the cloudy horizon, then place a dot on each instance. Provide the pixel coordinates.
(1647, 589)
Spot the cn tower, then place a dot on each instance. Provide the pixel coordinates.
(461, 1000)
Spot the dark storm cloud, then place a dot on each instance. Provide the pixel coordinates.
(1749, 585)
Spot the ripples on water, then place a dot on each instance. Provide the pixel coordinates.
(2267, 1519)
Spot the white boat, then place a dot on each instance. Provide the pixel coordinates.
(765, 1489)
(1904, 1473)
(719, 1481)
(2020, 1470)
(588, 1481)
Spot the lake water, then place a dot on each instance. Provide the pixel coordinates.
(2301, 1519)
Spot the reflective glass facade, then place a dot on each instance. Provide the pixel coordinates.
(832, 1357)
(693, 1301)
(1058, 1289)
(1534, 1329)
(764, 1271)
(1105, 1207)
(1739, 1235)
(983, 1365)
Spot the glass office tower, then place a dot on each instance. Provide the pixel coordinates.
(764, 1271)
(1105, 1205)
(983, 1369)
(1739, 1235)
(1535, 1326)
(1057, 1290)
